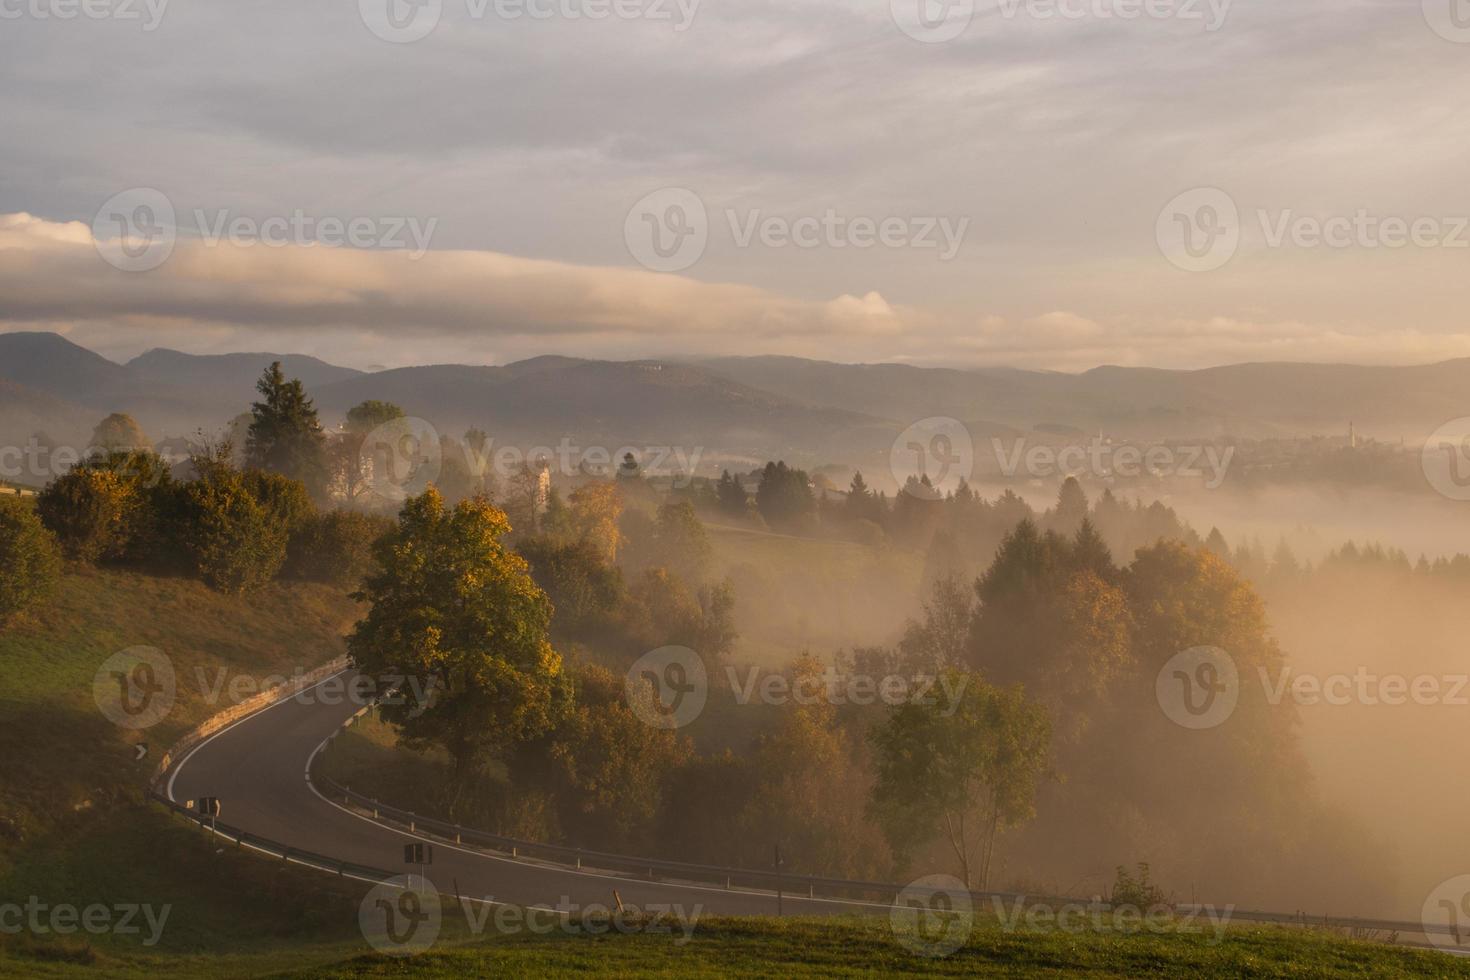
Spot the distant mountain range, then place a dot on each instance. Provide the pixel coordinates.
(736, 408)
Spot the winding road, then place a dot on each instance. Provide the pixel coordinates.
(257, 768)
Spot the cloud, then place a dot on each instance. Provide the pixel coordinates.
(364, 306)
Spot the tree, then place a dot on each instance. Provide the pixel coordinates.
(1071, 509)
(965, 768)
(581, 586)
(335, 547)
(346, 449)
(234, 542)
(680, 542)
(606, 768)
(452, 606)
(285, 435)
(811, 789)
(595, 509)
(731, 495)
(1049, 621)
(28, 557)
(784, 497)
(119, 432)
(99, 509)
(859, 505)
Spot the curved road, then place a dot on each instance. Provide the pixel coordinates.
(257, 769)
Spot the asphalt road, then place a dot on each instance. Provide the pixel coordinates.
(257, 769)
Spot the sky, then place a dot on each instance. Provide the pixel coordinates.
(1040, 183)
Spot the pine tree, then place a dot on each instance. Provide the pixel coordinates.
(285, 435)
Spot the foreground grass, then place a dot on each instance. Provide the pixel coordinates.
(64, 763)
(75, 828)
(819, 948)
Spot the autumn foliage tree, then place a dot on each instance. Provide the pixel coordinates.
(452, 606)
(28, 558)
(962, 769)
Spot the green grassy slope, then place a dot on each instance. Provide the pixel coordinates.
(74, 826)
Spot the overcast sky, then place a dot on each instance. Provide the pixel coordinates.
(1002, 187)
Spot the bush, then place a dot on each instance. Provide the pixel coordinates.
(102, 508)
(233, 541)
(335, 547)
(1137, 890)
(87, 510)
(29, 567)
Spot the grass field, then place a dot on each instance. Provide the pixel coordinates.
(74, 827)
(801, 948)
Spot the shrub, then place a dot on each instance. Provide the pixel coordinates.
(335, 547)
(29, 567)
(102, 508)
(87, 509)
(233, 541)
